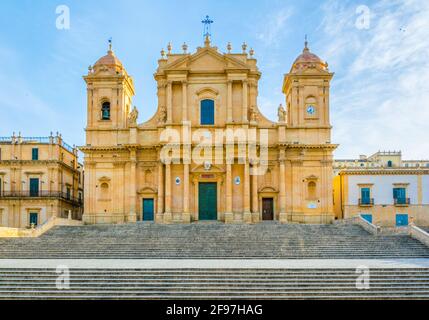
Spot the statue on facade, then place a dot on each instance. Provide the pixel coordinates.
(281, 113)
(162, 115)
(253, 114)
(132, 117)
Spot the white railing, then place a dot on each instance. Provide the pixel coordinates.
(368, 226)
(418, 234)
(6, 232)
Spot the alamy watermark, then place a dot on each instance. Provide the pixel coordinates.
(215, 147)
(363, 21)
(62, 282)
(63, 17)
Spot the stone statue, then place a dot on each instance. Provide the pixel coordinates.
(133, 116)
(253, 114)
(162, 115)
(281, 113)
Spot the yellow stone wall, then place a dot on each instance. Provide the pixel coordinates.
(57, 169)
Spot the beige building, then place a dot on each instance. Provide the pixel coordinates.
(40, 177)
(208, 153)
(383, 188)
(380, 159)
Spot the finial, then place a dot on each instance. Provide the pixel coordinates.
(162, 53)
(185, 48)
(251, 52)
(110, 44)
(306, 44)
(90, 69)
(229, 47)
(169, 47)
(244, 47)
(207, 41)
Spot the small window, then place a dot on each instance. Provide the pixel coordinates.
(35, 154)
(68, 193)
(207, 112)
(104, 191)
(105, 111)
(312, 190)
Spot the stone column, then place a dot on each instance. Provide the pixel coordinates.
(167, 213)
(247, 216)
(244, 110)
(228, 212)
(282, 189)
(132, 189)
(169, 102)
(255, 199)
(229, 102)
(184, 100)
(186, 213)
(160, 211)
(196, 204)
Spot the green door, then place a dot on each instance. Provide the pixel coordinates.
(148, 210)
(34, 187)
(207, 201)
(33, 218)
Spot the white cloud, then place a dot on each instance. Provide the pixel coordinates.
(275, 28)
(379, 96)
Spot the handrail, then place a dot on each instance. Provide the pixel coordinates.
(368, 226)
(399, 201)
(366, 201)
(40, 194)
(419, 234)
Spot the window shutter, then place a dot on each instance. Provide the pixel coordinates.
(207, 112)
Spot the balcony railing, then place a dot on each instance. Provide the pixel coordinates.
(366, 201)
(41, 194)
(402, 201)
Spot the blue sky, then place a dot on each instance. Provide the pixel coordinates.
(379, 95)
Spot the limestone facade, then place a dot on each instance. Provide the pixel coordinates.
(208, 152)
(40, 177)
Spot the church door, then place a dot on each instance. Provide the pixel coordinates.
(34, 217)
(207, 201)
(267, 209)
(148, 209)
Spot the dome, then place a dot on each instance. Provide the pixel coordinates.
(109, 60)
(308, 59)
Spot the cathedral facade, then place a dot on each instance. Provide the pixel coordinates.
(208, 153)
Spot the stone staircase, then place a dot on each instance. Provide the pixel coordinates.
(214, 284)
(212, 241)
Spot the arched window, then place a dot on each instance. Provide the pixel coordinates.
(207, 112)
(105, 111)
(389, 163)
(312, 190)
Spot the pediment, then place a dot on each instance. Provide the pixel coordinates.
(147, 189)
(267, 189)
(206, 59)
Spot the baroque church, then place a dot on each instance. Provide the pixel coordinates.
(137, 172)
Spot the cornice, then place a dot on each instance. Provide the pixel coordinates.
(381, 171)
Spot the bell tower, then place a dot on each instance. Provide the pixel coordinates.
(306, 87)
(109, 96)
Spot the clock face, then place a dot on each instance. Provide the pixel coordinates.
(311, 110)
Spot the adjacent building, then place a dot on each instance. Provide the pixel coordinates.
(40, 177)
(384, 189)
